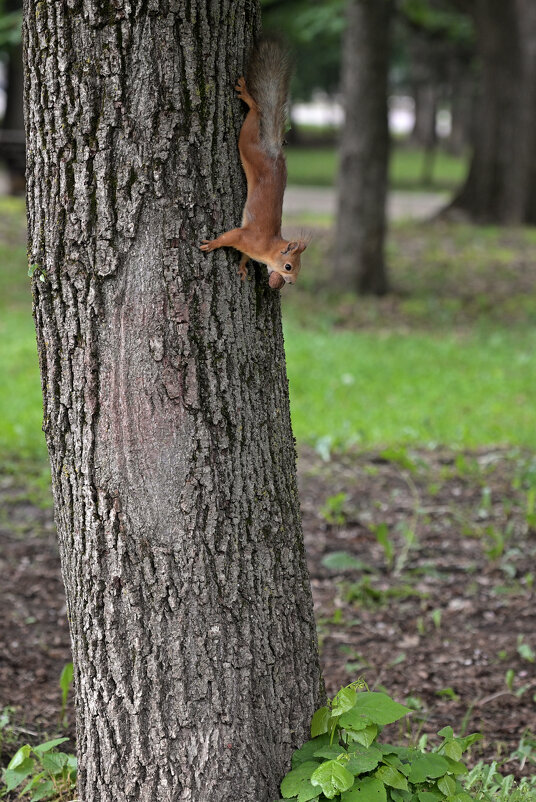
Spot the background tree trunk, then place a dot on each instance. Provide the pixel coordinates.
(12, 149)
(166, 407)
(499, 184)
(364, 149)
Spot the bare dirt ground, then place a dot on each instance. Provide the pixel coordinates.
(422, 568)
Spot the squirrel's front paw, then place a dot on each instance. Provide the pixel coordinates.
(207, 245)
(241, 87)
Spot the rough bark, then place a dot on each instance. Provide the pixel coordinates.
(364, 149)
(501, 176)
(166, 406)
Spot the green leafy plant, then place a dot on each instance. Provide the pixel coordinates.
(345, 760)
(487, 784)
(525, 651)
(334, 511)
(42, 771)
(66, 680)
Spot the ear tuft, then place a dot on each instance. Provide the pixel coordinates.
(290, 247)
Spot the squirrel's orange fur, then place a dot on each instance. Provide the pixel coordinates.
(261, 153)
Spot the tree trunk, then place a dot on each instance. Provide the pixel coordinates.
(12, 148)
(359, 261)
(498, 186)
(166, 407)
(424, 133)
(462, 94)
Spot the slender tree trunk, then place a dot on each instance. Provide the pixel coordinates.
(359, 259)
(424, 132)
(12, 131)
(166, 407)
(498, 186)
(462, 109)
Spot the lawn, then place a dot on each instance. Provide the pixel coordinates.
(447, 358)
(317, 166)
(374, 388)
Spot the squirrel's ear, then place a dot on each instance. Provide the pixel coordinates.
(290, 247)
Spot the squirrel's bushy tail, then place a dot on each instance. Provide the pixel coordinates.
(268, 79)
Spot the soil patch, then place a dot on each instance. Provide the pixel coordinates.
(422, 567)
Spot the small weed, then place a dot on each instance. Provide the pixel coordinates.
(381, 533)
(66, 680)
(47, 773)
(525, 651)
(341, 561)
(333, 511)
(436, 618)
(365, 594)
(448, 693)
(487, 784)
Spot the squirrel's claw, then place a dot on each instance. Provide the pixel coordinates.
(206, 245)
(242, 270)
(243, 93)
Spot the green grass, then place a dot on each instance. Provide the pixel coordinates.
(318, 167)
(385, 388)
(20, 395)
(448, 358)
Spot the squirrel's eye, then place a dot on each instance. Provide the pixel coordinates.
(288, 267)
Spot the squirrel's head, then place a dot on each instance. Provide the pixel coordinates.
(287, 261)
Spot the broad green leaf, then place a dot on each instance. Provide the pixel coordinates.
(403, 752)
(391, 776)
(48, 745)
(430, 796)
(366, 736)
(378, 707)
(19, 757)
(72, 763)
(363, 760)
(36, 779)
(447, 785)
(332, 778)
(343, 701)
(306, 752)
(456, 766)
(308, 792)
(44, 790)
(453, 750)
(320, 721)
(469, 740)
(463, 796)
(292, 783)
(330, 752)
(431, 765)
(54, 761)
(392, 760)
(14, 777)
(343, 561)
(402, 796)
(366, 789)
(354, 721)
(447, 733)
(66, 678)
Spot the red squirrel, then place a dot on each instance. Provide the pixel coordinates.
(261, 152)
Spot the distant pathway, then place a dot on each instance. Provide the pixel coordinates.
(401, 205)
(321, 200)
